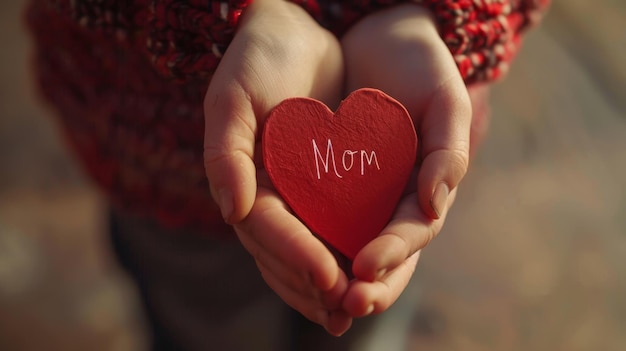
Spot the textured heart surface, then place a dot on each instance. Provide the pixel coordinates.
(341, 173)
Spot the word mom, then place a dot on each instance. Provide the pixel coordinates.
(347, 159)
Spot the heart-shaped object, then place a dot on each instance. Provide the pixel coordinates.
(341, 173)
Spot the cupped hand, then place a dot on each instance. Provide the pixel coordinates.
(279, 52)
(399, 51)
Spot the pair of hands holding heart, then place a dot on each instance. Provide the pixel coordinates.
(280, 52)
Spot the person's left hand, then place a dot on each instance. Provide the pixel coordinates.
(399, 51)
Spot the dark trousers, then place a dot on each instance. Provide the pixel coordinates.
(200, 293)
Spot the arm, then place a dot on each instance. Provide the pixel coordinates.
(441, 105)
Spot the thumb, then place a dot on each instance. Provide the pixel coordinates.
(229, 140)
(445, 144)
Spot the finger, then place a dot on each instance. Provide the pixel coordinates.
(298, 281)
(334, 320)
(278, 232)
(309, 307)
(408, 232)
(365, 298)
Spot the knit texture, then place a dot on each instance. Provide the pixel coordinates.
(127, 79)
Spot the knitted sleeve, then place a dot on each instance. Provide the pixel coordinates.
(188, 37)
(482, 35)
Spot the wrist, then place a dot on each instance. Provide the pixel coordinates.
(407, 22)
(406, 19)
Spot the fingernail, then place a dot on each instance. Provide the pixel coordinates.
(226, 203)
(369, 310)
(440, 198)
(334, 333)
(381, 273)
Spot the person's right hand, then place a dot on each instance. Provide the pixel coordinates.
(278, 52)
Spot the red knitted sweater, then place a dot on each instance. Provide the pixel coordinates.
(127, 79)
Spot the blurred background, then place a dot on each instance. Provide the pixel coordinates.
(532, 257)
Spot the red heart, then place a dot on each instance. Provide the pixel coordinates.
(342, 173)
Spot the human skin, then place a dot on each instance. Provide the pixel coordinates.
(279, 52)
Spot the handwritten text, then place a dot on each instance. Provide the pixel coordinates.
(347, 162)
